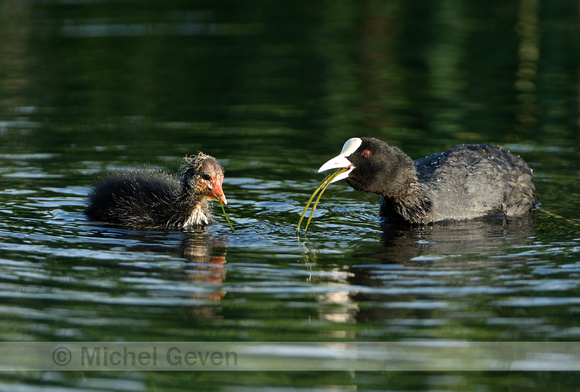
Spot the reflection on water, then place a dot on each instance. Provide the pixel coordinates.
(206, 264)
(65, 277)
(415, 269)
(445, 240)
(87, 86)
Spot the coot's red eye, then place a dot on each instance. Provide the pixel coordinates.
(366, 153)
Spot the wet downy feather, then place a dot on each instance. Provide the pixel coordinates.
(154, 199)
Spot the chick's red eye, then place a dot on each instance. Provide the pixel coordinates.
(366, 153)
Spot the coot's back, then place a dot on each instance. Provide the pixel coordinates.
(468, 181)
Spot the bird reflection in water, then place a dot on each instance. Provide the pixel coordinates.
(206, 258)
(402, 275)
(418, 266)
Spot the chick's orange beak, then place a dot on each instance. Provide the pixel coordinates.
(215, 191)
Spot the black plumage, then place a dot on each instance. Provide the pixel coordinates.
(154, 199)
(466, 181)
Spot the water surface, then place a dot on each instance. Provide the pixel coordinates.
(273, 92)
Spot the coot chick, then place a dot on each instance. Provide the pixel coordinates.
(156, 200)
(466, 181)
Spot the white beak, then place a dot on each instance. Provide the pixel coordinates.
(341, 161)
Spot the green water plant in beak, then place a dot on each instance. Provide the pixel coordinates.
(318, 191)
(226, 215)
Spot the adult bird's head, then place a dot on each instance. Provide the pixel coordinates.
(373, 166)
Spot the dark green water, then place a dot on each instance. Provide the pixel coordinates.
(273, 89)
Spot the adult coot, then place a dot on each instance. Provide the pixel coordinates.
(466, 181)
(153, 199)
